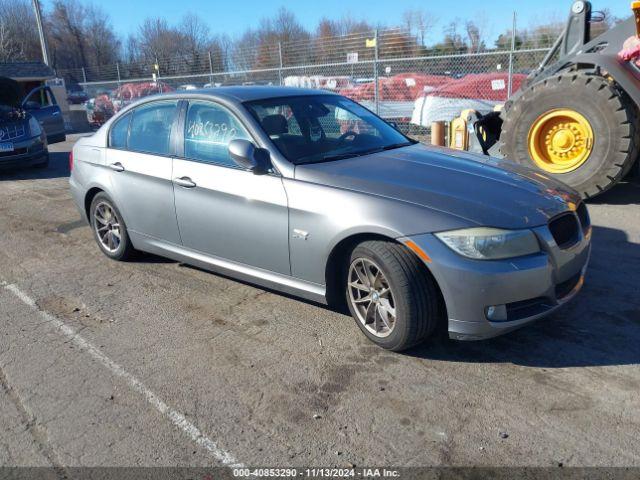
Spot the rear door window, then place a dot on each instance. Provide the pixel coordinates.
(150, 130)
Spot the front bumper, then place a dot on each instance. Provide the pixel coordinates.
(32, 151)
(528, 287)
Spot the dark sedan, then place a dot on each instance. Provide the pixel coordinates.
(22, 140)
(77, 97)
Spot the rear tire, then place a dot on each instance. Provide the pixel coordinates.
(109, 229)
(609, 112)
(412, 295)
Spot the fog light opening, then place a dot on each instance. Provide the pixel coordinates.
(496, 313)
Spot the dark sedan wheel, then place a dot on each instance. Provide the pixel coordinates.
(391, 295)
(109, 229)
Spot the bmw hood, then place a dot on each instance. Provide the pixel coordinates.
(481, 190)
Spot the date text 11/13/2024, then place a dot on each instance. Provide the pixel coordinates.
(317, 472)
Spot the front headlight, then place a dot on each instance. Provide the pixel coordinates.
(34, 127)
(490, 243)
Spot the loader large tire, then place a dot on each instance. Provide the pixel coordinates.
(576, 127)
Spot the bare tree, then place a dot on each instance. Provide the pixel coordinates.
(419, 23)
(453, 40)
(66, 34)
(19, 37)
(348, 25)
(225, 45)
(261, 47)
(102, 42)
(81, 35)
(131, 49)
(156, 39)
(602, 21)
(188, 47)
(201, 50)
(334, 38)
(196, 35)
(9, 50)
(474, 37)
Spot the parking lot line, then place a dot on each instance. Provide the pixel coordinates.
(175, 417)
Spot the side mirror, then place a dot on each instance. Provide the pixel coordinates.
(393, 124)
(245, 154)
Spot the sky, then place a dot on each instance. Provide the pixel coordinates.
(233, 17)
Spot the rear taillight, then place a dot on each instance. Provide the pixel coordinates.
(71, 161)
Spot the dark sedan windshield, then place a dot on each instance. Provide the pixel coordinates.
(322, 128)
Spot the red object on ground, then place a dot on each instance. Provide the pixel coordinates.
(102, 111)
(481, 86)
(105, 106)
(131, 91)
(404, 87)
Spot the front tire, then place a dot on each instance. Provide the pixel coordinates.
(109, 229)
(391, 295)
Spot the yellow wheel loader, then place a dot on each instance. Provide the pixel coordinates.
(576, 116)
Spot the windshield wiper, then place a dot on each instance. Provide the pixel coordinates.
(330, 158)
(397, 145)
(383, 148)
(343, 156)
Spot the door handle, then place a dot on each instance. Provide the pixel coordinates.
(117, 167)
(185, 182)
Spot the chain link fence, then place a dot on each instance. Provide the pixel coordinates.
(388, 71)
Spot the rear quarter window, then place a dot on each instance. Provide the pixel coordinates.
(119, 132)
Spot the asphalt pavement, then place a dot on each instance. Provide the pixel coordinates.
(153, 363)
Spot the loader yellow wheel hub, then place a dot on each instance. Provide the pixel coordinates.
(560, 141)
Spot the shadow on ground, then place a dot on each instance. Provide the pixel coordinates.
(625, 193)
(600, 327)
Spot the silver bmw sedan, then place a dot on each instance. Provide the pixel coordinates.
(310, 193)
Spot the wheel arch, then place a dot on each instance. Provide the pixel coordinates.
(88, 198)
(338, 258)
(94, 190)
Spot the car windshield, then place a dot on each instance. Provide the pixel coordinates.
(323, 128)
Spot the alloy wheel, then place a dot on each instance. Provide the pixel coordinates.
(107, 227)
(371, 297)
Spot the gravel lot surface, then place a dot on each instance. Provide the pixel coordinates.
(155, 363)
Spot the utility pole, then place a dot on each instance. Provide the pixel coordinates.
(43, 40)
(376, 92)
(281, 64)
(511, 53)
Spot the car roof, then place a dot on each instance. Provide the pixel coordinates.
(249, 93)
